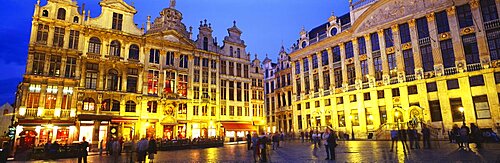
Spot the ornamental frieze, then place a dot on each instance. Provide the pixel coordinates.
(395, 9)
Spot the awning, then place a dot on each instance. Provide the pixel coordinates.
(124, 119)
(238, 126)
(91, 117)
(40, 122)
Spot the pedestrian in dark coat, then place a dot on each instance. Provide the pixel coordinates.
(476, 135)
(426, 133)
(152, 149)
(249, 141)
(83, 153)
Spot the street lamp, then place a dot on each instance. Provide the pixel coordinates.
(397, 119)
(352, 127)
(461, 109)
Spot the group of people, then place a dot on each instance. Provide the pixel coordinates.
(413, 136)
(465, 135)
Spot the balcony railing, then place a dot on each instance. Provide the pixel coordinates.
(365, 85)
(450, 71)
(326, 92)
(316, 94)
(351, 87)
(297, 98)
(65, 113)
(410, 78)
(394, 80)
(31, 112)
(492, 24)
(48, 112)
(424, 41)
(474, 67)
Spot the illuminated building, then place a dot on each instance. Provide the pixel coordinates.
(105, 77)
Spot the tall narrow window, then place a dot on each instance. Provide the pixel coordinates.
(427, 58)
(113, 80)
(306, 64)
(223, 67)
(55, 65)
(154, 56)
(404, 33)
(324, 58)
(315, 61)
(245, 71)
(73, 39)
(389, 42)
(362, 45)
(297, 67)
(132, 76)
(231, 90)
(183, 61)
(448, 53)
(494, 43)
(470, 49)
(205, 43)
(316, 82)
(38, 64)
(306, 83)
(238, 91)
(435, 109)
(336, 54)
(364, 71)
(91, 75)
(464, 16)
(442, 22)
(238, 69)
(95, 45)
(231, 52)
(42, 34)
(349, 53)
(351, 74)
(58, 40)
(33, 100)
(183, 85)
(481, 106)
(422, 28)
(489, 10)
(455, 104)
(51, 97)
(238, 52)
(169, 58)
(61, 14)
(391, 60)
(70, 67)
(231, 68)
(114, 48)
(153, 79)
(377, 61)
(298, 87)
(374, 41)
(196, 76)
(169, 85)
(197, 61)
(117, 21)
(326, 80)
(338, 77)
(152, 106)
(409, 62)
(354, 117)
(133, 52)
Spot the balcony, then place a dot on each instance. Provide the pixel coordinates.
(394, 80)
(450, 71)
(492, 24)
(326, 92)
(65, 113)
(316, 95)
(31, 112)
(424, 41)
(48, 112)
(351, 87)
(474, 67)
(410, 78)
(297, 98)
(365, 85)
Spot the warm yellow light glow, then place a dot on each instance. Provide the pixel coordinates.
(370, 117)
(396, 114)
(461, 109)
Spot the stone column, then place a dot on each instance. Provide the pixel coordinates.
(332, 70)
(83, 66)
(59, 98)
(371, 66)
(320, 71)
(124, 80)
(398, 49)
(417, 58)
(357, 64)
(101, 77)
(66, 38)
(436, 51)
(50, 38)
(343, 65)
(63, 66)
(482, 42)
(311, 77)
(456, 38)
(383, 55)
(302, 81)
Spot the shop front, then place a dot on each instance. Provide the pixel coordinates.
(234, 131)
(34, 133)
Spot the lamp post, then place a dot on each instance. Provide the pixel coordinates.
(352, 127)
(461, 109)
(397, 119)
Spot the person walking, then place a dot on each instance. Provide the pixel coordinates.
(263, 146)
(83, 152)
(142, 147)
(249, 141)
(426, 133)
(403, 134)
(255, 147)
(152, 149)
(476, 135)
(455, 132)
(100, 147)
(275, 140)
(330, 143)
(313, 137)
(464, 136)
(302, 136)
(116, 146)
(394, 139)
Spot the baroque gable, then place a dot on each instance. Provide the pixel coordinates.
(118, 5)
(386, 11)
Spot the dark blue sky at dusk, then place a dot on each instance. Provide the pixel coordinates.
(266, 25)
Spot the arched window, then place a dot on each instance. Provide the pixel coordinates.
(205, 43)
(113, 80)
(110, 105)
(133, 52)
(130, 106)
(95, 45)
(114, 48)
(238, 52)
(61, 14)
(231, 51)
(45, 13)
(89, 104)
(75, 19)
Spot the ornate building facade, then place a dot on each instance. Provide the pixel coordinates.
(105, 77)
(390, 61)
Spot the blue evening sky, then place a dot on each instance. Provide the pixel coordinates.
(266, 24)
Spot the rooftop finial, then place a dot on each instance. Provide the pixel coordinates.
(38, 2)
(234, 23)
(172, 4)
(255, 55)
(205, 22)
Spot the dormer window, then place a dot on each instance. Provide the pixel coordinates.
(238, 52)
(205, 43)
(45, 13)
(75, 19)
(333, 31)
(117, 21)
(61, 14)
(231, 51)
(304, 44)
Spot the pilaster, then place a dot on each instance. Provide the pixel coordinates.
(456, 39)
(417, 59)
(482, 42)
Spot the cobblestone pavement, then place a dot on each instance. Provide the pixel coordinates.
(350, 151)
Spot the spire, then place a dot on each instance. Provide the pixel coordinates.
(234, 23)
(172, 4)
